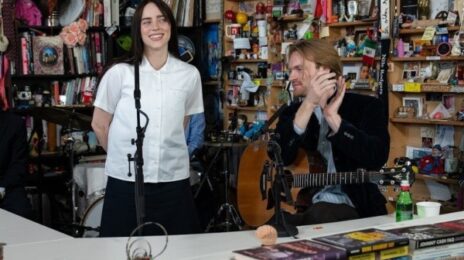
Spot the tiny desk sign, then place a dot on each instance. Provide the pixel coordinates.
(48, 55)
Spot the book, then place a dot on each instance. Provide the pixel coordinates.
(48, 55)
(457, 225)
(301, 249)
(443, 250)
(365, 241)
(431, 235)
(401, 252)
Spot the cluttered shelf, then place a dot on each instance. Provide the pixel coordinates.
(293, 18)
(55, 77)
(354, 59)
(421, 30)
(425, 121)
(443, 178)
(428, 58)
(246, 108)
(348, 24)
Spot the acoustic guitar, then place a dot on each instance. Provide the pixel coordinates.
(256, 174)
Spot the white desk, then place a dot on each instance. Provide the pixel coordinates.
(16, 230)
(215, 246)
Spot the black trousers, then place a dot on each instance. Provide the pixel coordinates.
(170, 204)
(16, 202)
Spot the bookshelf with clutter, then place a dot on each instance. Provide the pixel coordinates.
(55, 62)
(425, 97)
(256, 35)
(55, 52)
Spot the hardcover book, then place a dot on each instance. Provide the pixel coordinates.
(430, 235)
(395, 253)
(48, 55)
(365, 241)
(301, 249)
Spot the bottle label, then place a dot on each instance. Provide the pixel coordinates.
(404, 215)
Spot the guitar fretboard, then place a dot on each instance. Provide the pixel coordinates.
(321, 179)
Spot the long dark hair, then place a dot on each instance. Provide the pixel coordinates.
(136, 51)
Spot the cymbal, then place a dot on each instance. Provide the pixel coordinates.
(65, 117)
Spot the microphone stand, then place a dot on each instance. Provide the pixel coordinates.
(138, 156)
(283, 228)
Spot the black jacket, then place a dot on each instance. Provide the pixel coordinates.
(13, 150)
(361, 142)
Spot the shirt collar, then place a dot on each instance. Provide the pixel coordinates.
(318, 113)
(146, 66)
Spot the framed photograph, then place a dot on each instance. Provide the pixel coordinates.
(213, 10)
(414, 102)
(417, 152)
(351, 72)
(449, 103)
(48, 55)
(364, 8)
(411, 70)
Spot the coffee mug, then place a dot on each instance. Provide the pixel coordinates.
(233, 30)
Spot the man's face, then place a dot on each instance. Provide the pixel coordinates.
(301, 72)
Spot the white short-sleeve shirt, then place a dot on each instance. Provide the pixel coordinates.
(167, 95)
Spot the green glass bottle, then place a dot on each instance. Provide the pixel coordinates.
(404, 205)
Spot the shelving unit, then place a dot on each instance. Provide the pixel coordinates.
(408, 131)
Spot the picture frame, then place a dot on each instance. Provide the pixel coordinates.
(411, 70)
(213, 10)
(48, 55)
(449, 102)
(415, 102)
(351, 72)
(417, 152)
(365, 8)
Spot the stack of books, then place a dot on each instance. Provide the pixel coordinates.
(443, 240)
(435, 241)
(369, 244)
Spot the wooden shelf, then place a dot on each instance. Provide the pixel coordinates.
(249, 61)
(348, 24)
(213, 21)
(56, 77)
(425, 122)
(354, 59)
(211, 82)
(293, 18)
(428, 58)
(421, 30)
(438, 178)
(246, 108)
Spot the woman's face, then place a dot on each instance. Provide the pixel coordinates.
(155, 29)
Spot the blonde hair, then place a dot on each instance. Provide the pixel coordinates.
(320, 52)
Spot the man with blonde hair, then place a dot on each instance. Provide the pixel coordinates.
(348, 130)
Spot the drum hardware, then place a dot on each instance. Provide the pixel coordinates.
(232, 219)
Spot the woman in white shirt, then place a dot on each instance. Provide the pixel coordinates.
(170, 92)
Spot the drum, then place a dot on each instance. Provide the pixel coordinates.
(89, 183)
(92, 218)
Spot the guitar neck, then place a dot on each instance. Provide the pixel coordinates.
(323, 179)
